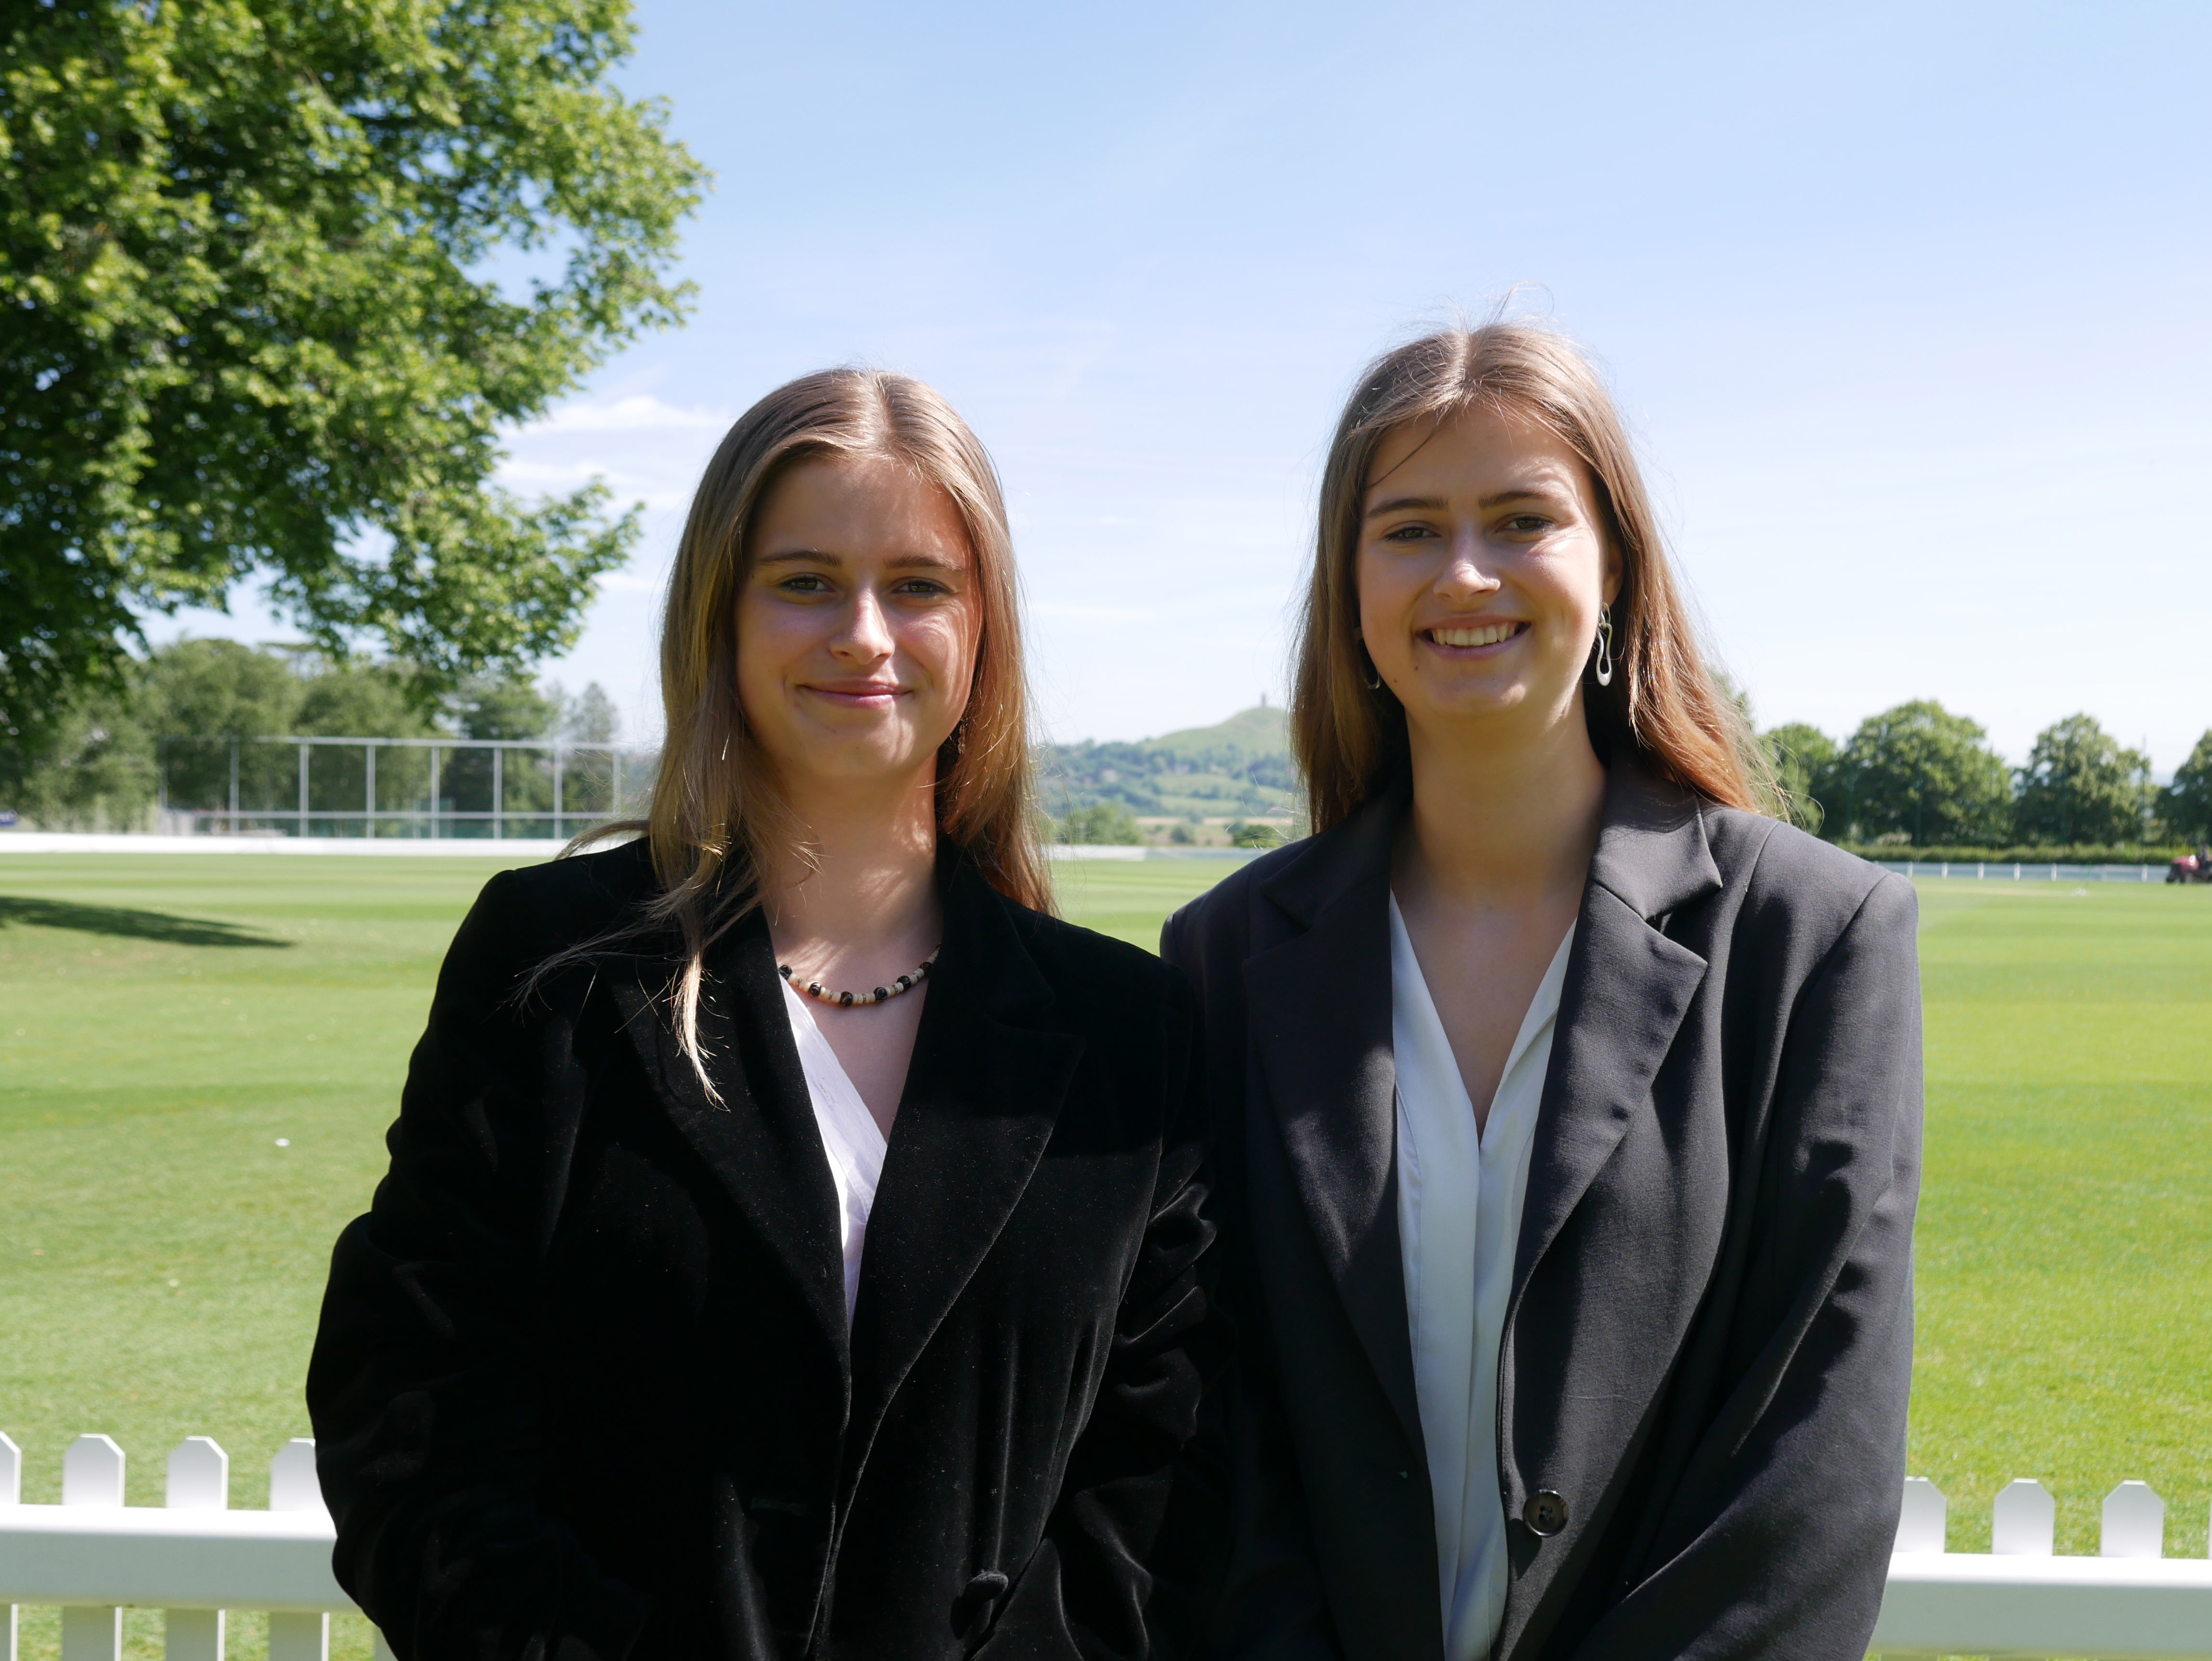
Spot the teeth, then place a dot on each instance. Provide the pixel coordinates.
(1487, 637)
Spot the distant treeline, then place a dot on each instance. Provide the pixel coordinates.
(1241, 766)
(1921, 777)
(100, 768)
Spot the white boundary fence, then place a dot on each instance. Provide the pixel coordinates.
(513, 787)
(2130, 1602)
(2016, 871)
(194, 1558)
(92, 1554)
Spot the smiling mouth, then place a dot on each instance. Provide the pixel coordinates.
(857, 691)
(1489, 634)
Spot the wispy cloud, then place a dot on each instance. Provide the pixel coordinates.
(639, 413)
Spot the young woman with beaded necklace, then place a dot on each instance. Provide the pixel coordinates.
(791, 1240)
(1569, 1105)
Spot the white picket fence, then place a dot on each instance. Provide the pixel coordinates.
(2130, 1602)
(194, 1558)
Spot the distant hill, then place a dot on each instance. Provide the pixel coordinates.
(1238, 766)
(1263, 730)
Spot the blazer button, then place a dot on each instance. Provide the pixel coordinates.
(1546, 1513)
(977, 1604)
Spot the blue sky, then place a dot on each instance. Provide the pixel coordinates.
(1906, 306)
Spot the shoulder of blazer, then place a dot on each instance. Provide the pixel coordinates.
(1095, 979)
(524, 915)
(1298, 880)
(569, 900)
(1792, 883)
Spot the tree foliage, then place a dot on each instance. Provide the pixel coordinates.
(249, 330)
(2186, 807)
(173, 712)
(2080, 785)
(1108, 823)
(1920, 773)
(1804, 761)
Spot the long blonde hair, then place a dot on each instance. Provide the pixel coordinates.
(716, 821)
(1349, 738)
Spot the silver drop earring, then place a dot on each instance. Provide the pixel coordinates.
(1604, 644)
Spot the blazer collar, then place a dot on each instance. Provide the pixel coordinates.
(1652, 852)
(1340, 860)
(1321, 1016)
(992, 1061)
(1628, 988)
(759, 1139)
(984, 1090)
(1320, 1013)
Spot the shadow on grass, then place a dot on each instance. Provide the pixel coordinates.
(130, 924)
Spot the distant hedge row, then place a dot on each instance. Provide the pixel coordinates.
(2040, 854)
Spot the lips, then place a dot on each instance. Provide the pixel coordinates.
(856, 691)
(1485, 634)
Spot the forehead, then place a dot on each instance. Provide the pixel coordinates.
(1479, 452)
(859, 505)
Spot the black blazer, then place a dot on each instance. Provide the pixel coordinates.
(583, 1387)
(1702, 1376)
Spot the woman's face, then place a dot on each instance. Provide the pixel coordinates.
(858, 625)
(1481, 565)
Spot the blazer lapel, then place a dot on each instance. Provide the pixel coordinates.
(1626, 991)
(983, 1092)
(1320, 1005)
(760, 1141)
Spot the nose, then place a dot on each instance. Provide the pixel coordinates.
(866, 636)
(1463, 576)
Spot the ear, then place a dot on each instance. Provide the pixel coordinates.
(1609, 585)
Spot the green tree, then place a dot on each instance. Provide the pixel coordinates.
(588, 716)
(2186, 808)
(1804, 760)
(1921, 772)
(97, 772)
(1109, 823)
(351, 698)
(2081, 786)
(249, 328)
(488, 707)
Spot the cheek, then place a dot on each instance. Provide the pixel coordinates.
(944, 643)
(1578, 579)
(1385, 589)
(764, 648)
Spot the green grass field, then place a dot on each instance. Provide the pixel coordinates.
(198, 1055)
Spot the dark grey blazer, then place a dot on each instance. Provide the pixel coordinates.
(1702, 1377)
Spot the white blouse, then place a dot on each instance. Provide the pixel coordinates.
(1459, 1224)
(850, 1136)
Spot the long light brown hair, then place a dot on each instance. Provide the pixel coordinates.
(1663, 705)
(717, 821)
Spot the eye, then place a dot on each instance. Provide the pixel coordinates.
(1527, 524)
(1409, 534)
(804, 582)
(922, 587)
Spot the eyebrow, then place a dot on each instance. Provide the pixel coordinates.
(899, 561)
(1437, 504)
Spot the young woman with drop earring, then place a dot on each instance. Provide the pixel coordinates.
(1568, 1106)
(791, 1240)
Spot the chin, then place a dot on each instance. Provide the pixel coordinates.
(854, 757)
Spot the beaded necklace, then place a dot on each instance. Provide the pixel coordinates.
(821, 994)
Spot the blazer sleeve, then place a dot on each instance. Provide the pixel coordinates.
(1124, 1568)
(1270, 1605)
(420, 1389)
(1780, 1539)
